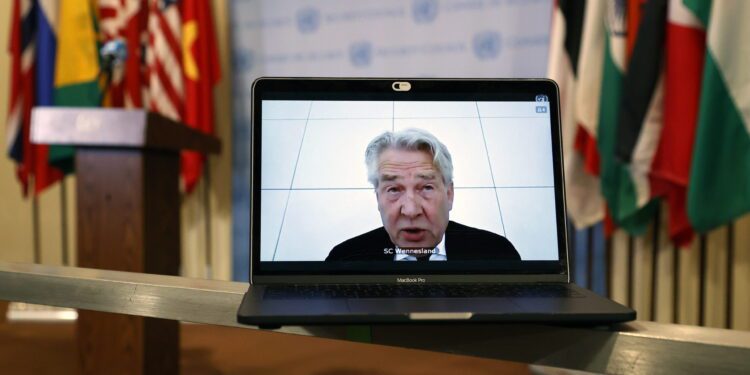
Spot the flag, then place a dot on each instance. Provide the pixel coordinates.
(624, 202)
(32, 50)
(76, 67)
(46, 52)
(201, 72)
(584, 201)
(126, 20)
(640, 118)
(21, 49)
(589, 86)
(670, 171)
(164, 60)
(719, 188)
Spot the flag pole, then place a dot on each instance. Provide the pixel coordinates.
(64, 221)
(207, 207)
(35, 221)
(730, 276)
(675, 284)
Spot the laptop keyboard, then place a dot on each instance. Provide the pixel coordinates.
(418, 291)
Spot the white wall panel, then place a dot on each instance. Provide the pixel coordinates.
(273, 204)
(434, 109)
(529, 222)
(520, 151)
(477, 208)
(283, 139)
(351, 110)
(333, 153)
(285, 110)
(318, 220)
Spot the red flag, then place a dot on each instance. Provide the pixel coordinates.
(670, 171)
(31, 159)
(202, 72)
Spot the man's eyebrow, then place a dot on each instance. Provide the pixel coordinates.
(388, 177)
(426, 176)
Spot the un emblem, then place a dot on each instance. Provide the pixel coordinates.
(424, 11)
(360, 53)
(308, 20)
(244, 60)
(486, 45)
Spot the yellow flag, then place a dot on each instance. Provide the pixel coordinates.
(77, 56)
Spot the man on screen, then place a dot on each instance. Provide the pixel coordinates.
(412, 173)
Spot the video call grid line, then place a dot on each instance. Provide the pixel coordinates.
(294, 173)
(489, 162)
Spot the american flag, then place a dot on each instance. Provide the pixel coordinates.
(160, 88)
(164, 59)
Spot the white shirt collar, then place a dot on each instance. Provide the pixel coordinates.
(439, 255)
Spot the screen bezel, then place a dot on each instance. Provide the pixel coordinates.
(270, 88)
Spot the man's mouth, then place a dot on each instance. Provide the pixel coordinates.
(413, 234)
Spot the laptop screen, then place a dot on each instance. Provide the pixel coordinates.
(393, 182)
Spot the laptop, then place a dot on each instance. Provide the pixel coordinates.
(403, 200)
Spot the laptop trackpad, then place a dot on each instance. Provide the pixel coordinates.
(452, 305)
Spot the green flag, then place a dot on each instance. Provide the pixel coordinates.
(719, 188)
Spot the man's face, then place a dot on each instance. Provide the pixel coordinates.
(413, 200)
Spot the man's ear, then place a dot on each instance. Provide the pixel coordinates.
(450, 196)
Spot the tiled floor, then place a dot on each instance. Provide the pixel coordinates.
(315, 192)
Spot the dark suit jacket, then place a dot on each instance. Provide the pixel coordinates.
(461, 243)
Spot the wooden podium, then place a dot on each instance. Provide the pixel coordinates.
(128, 219)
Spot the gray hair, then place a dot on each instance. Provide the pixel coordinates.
(410, 140)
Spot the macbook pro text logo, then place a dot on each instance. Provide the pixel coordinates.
(411, 280)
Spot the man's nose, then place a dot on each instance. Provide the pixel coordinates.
(411, 205)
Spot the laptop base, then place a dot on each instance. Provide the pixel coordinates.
(589, 309)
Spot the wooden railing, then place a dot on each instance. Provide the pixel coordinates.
(705, 284)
